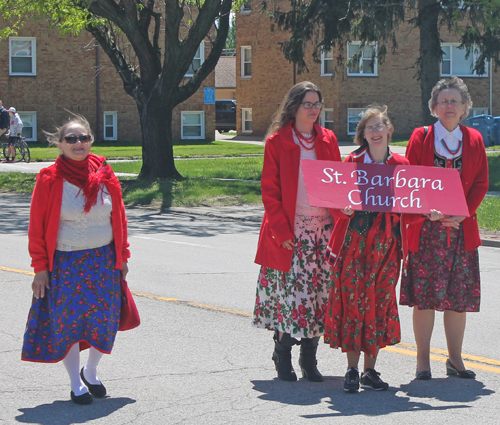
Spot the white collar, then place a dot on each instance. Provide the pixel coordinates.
(442, 132)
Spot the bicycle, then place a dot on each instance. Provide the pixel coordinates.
(21, 148)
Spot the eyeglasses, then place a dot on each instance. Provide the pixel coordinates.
(310, 105)
(84, 138)
(374, 128)
(451, 102)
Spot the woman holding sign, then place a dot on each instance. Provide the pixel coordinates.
(443, 265)
(292, 284)
(365, 251)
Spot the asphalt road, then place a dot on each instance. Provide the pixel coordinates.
(196, 359)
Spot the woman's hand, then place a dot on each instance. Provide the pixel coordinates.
(348, 210)
(40, 282)
(124, 270)
(452, 221)
(288, 244)
(434, 215)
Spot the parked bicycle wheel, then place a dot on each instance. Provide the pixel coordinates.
(24, 150)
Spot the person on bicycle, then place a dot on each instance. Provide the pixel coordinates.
(16, 128)
(4, 119)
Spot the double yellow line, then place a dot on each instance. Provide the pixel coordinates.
(471, 362)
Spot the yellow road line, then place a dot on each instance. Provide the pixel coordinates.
(401, 348)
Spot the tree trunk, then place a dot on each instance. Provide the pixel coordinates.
(430, 53)
(157, 141)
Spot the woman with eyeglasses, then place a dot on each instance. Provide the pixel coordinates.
(365, 251)
(78, 245)
(293, 281)
(443, 266)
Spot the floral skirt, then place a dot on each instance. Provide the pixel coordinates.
(441, 277)
(362, 310)
(81, 306)
(295, 302)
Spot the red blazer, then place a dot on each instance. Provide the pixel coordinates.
(342, 220)
(279, 183)
(44, 221)
(474, 180)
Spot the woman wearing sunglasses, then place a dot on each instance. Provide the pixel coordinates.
(292, 285)
(78, 245)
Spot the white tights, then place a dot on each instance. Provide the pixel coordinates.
(72, 364)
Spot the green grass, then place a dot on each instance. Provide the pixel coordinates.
(488, 214)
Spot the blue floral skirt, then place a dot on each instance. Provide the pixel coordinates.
(81, 306)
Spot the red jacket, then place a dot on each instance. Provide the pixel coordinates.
(44, 221)
(474, 180)
(342, 220)
(279, 183)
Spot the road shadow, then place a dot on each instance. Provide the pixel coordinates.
(67, 413)
(365, 402)
(14, 212)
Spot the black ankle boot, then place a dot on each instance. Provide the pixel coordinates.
(307, 359)
(282, 356)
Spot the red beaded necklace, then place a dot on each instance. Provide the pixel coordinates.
(449, 150)
(304, 140)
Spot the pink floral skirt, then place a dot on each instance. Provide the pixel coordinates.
(295, 302)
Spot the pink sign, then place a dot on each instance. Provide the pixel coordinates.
(375, 187)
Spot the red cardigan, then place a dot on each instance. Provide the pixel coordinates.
(342, 220)
(44, 221)
(474, 180)
(279, 183)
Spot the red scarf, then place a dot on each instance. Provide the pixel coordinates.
(89, 175)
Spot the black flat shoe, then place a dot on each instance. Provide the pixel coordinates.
(81, 399)
(98, 390)
(452, 370)
(424, 375)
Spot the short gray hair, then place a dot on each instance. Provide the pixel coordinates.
(451, 83)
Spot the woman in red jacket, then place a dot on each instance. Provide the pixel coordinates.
(365, 250)
(443, 266)
(78, 245)
(292, 285)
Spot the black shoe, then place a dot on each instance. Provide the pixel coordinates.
(424, 375)
(371, 379)
(307, 359)
(351, 381)
(282, 356)
(85, 398)
(98, 390)
(452, 370)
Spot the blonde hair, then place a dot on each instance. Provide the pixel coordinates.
(290, 104)
(57, 136)
(373, 111)
(451, 83)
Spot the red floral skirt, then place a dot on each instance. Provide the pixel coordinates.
(362, 312)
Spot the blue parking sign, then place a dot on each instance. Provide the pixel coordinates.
(210, 95)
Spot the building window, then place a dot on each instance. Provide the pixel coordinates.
(364, 60)
(246, 7)
(246, 61)
(327, 63)
(353, 117)
(246, 120)
(198, 59)
(474, 112)
(454, 63)
(110, 125)
(327, 118)
(22, 55)
(192, 125)
(29, 125)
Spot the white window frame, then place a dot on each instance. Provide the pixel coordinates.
(324, 60)
(450, 59)
(33, 56)
(243, 121)
(200, 55)
(243, 62)
(114, 115)
(323, 117)
(246, 7)
(361, 59)
(474, 112)
(202, 124)
(33, 124)
(352, 133)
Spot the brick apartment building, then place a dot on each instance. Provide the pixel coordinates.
(264, 77)
(43, 74)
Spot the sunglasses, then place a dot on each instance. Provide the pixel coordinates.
(84, 138)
